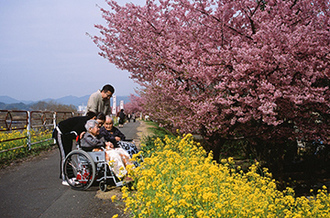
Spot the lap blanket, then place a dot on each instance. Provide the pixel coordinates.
(130, 147)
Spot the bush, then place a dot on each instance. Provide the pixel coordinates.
(180, 180)
(149, 146)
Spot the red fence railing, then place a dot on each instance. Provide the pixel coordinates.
(13, 120)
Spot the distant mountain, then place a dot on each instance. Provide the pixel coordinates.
(77, 101)
(8, 100)
(67, 100)
(14, 106)
(120, 98)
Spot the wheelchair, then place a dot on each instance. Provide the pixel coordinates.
(82, 169)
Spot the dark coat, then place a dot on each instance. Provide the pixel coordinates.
(109, 136)
(76, 124)
(89, 142)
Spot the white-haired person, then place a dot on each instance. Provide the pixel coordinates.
(116, 137)
(118, 158)
(111, 133)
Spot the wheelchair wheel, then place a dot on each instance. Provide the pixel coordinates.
(103, 186)
(79, 170)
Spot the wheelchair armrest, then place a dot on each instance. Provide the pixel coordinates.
(97, 156)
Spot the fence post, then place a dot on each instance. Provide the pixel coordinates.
(54, 123)
(28, 130)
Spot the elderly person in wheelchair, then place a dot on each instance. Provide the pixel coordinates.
(111, 133)
(117, 157)
(116, 137)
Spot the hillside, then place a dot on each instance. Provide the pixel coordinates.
(9, 103)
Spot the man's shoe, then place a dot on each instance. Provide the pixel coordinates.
(73, 181)
(65, 183)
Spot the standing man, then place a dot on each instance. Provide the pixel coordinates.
(100, 101)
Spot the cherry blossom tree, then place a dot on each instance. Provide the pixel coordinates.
(227, 69)
(134, 105)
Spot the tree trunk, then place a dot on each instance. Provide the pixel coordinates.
(216, 148)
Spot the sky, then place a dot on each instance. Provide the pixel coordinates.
(45, 52)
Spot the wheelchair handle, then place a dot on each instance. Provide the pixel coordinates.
(76, 134)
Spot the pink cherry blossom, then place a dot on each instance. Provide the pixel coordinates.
(226, 69)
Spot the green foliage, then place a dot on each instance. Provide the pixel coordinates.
(156, 132)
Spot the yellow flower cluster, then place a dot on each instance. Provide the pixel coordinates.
(5, 145)
(180, 180)
(40, 135)
(9, 140)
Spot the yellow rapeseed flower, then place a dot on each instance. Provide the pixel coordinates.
(180, 180)
(113, 198)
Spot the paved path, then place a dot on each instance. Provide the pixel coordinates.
(33, 189)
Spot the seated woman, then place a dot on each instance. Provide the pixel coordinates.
(118, 158)
(111, 133)
(116, 137)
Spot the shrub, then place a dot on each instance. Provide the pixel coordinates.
(180, 180)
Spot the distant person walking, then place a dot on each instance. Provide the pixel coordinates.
(122, 117)
(100, 101)
(133, 117)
